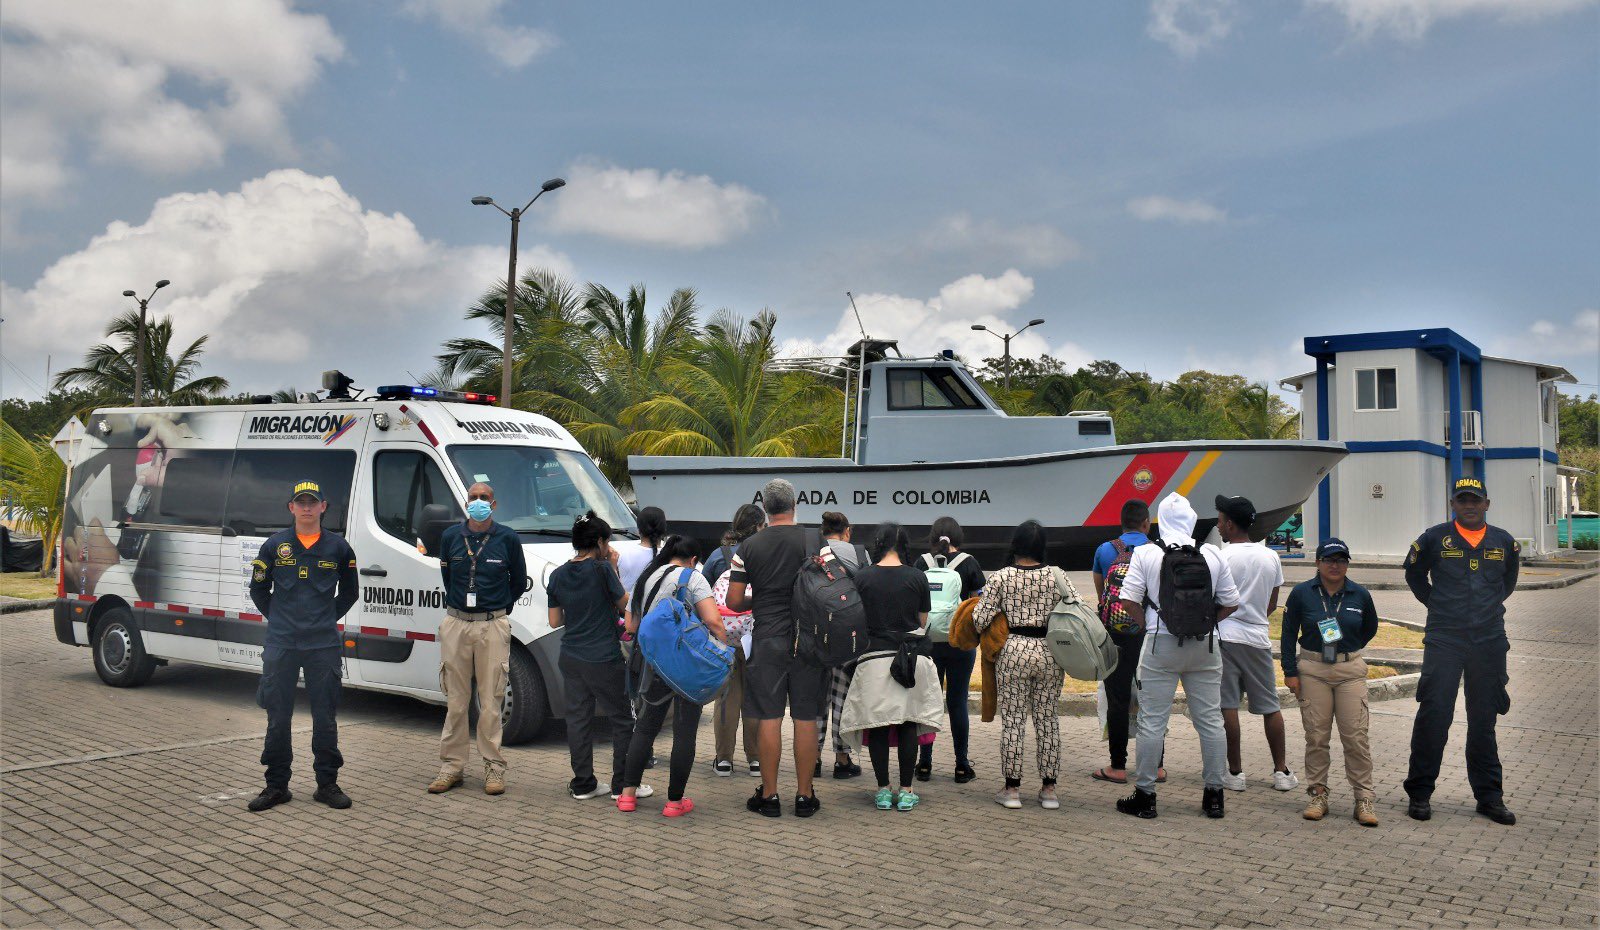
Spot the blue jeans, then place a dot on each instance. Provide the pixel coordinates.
(955, 673)
(280, 670)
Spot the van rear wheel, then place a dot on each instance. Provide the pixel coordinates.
(119, 656)
(527, 706)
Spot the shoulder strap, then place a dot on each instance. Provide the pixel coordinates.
(861, 554)
(683, 585)
(1064, 586)
(1119, 546)
(960, 557)
(654, 590)
(727, 554)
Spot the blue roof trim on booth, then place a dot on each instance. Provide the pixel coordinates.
(1524, 452)
(1433, 448)
(1428, 340)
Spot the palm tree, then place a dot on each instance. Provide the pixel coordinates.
(1058, 395)
(1254, 412)
(33, 484)
(107, 371)
(725, 399)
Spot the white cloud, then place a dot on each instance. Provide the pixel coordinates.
(1411, 19)
(289, 275)
(1166, 209)
(669, 209)
(1030, 244)
(482, 23)
(945, 321)
(112, 77)
(1189, 27)
(1574, 342)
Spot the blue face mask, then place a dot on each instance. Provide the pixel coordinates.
(479, 510)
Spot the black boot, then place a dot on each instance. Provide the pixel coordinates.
(1497, 811)
(1212, 803)
(1139, 804)
(1419, 809)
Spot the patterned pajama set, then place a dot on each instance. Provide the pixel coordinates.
(1027, 679)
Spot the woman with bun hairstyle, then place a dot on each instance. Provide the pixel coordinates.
(955, 665)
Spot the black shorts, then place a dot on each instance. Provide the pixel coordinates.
(775, 677)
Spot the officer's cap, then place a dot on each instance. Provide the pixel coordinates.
(1470, 486)
(307, 487)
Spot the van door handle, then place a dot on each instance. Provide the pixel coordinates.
(375, 571)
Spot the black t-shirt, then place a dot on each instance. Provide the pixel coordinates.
(893, 597)
(587, 593)
(971, 572)
(769, 562)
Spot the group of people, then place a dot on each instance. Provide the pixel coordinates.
(907, 686)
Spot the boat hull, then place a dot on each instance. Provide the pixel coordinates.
(1078, 495)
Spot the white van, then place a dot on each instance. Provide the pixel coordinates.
(168, 505)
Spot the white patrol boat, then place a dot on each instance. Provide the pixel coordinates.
(926, 441)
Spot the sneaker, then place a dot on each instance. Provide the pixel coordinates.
(593, 791)
(1009, 798)
(1048, 799)
(846, 769)
(643, 791)
(804, 806)
(1232, 781)
(494, 780)
(1366, 812)
(755, 770)
(908, 800)
(964, 773)
(651, 762)
(1211, 803)
(444, 781)
(1316, 807)
(626, 804)
(722, 768)
(270, 797)
(1139, 804)
(330, 795)
(677, 808)
(1285, 781)
(884, 799)
(763, 805)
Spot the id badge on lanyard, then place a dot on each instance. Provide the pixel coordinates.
(1328, 626)
(472, 577)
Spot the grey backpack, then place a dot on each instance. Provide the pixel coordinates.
(1077, 639)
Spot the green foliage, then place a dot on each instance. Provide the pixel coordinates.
(1586, 542)
(1588, 459)
(35, 418)
(1580, 420)
(107, 372)
(33, 484)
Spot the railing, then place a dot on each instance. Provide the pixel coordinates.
(1471, 431)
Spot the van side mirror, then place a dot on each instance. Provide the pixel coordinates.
(436, 518)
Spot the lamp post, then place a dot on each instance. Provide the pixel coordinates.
(1007, 339)
(511, 278)
(138, 351)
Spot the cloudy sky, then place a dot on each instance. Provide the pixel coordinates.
(1168, 183)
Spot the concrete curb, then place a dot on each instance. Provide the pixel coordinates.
(17, 607)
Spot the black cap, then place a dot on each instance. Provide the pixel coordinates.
(307, 487)
(1333, 548)
(1472, 486)
(1238, 509)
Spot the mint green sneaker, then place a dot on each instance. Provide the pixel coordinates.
(908, 799)
(885, 799)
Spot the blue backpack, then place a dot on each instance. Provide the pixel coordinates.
(678, 648)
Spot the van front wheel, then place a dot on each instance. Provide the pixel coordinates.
(119, 656)
(527, 706)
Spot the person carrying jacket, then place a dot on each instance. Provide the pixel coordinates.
(303, 581)
(1462, 571)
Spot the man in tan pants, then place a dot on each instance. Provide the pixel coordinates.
(1327, 621)
(484, 573)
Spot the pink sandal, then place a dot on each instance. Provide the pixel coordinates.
(677, 808)
(627, 803)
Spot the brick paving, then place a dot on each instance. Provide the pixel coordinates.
(126, 807)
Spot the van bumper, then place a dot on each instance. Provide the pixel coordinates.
(67, 612)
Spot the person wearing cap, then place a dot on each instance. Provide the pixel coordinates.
(1246, 644)
(303, 581)
(484, 572)
(1462, 571)
(1327, 621)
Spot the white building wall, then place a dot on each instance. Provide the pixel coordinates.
(1511, 413)
(1404, 422)
(1410, 487)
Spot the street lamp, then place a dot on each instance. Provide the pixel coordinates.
(138, 351)
(1007, 339)
(511, 278)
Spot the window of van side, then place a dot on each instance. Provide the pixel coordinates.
(404, 482)
(258, 495)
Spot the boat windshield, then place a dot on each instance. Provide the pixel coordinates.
(541, 491)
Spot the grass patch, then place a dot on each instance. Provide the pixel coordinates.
(27, 585)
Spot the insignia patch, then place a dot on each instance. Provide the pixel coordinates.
(352, 563)
(285, 551)
(305, 572)
(1449, 542)
(281, 563)
(1472, 564)
(258, 570)
(1453, 554)
(327, 564)
(1143, 478)
(1498, 555)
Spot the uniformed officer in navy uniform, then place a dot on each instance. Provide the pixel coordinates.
(1462, 571)
(303, 581)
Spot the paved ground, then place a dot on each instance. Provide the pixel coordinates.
(128, 807)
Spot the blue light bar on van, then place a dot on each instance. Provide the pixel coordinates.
(416, 392)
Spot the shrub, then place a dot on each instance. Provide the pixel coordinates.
(1586, 542)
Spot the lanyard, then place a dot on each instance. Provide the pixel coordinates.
(472, 574)
(1333, 609)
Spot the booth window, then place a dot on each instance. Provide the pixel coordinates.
(1376, 390)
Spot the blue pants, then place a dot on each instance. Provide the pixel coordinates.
(955, 673)
(280, 670)
(1446, 662)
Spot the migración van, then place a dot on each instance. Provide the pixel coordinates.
(167, 506)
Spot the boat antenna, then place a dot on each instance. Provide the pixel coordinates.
(857, 312)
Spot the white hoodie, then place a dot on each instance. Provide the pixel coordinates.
(1176, 519)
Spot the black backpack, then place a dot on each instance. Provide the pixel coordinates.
(1188, 603)
(829, 621)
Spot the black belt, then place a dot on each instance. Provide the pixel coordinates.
(1036, 632)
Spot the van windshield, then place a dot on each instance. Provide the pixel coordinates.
(541, 491)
